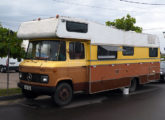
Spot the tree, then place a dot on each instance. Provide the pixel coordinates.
(126, 23)
(9, 41)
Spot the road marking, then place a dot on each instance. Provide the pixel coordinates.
(42, 97)
(84, 103)
(9, 102)
(32, 106)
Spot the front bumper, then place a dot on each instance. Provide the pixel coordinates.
(38, 89)
(13, 68)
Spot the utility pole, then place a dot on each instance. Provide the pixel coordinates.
(8, 60)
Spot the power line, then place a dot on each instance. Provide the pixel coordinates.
(98, 7)
(127, 4)
(91, 6)
(154, 28)
(141, 3)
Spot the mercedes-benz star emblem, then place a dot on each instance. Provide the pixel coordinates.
(29, 77)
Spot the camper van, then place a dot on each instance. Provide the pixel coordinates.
(13, 64)
(69, 55)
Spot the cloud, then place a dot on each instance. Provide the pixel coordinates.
(13, 12)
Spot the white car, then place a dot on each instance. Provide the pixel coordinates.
(13, 64)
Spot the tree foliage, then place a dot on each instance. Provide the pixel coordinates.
(9, 41)
(126, 23)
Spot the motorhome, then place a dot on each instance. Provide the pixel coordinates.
(69, 55)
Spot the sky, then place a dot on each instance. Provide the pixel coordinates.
(150, 17)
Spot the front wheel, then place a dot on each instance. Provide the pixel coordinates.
(63, 94)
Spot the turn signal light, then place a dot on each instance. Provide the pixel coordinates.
(57, 16)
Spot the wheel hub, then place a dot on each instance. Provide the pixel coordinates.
(64, 94)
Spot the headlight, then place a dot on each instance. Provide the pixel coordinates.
(44, 79)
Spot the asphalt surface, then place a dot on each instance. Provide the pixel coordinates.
(147, 103)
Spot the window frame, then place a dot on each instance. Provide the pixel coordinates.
(127, 49)
(116, 54)
(84, 53)
(151, 52)
(71, 29)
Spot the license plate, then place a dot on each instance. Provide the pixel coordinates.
(27, 87)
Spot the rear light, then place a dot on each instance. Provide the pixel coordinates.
(7, 62)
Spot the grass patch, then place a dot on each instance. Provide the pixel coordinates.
(162, 56)
(10, 91)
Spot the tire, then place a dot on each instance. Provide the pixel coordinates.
(133, 85)
(63, 94)
(162, 79)
(2, 69)
(28, 94)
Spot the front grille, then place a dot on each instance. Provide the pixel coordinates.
(31, 77)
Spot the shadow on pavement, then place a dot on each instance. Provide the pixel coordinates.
(80, 100)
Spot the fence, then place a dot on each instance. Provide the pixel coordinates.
(9, 88)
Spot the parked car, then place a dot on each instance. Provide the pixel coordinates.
(13, 64)
(162, 71)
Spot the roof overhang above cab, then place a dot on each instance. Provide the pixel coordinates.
(45, 28)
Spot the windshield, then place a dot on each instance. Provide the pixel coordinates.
(47, 50)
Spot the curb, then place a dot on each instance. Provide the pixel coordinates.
(12, 97)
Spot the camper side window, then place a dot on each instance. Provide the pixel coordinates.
(128, 51)
(105, 52)
(76, 50)
(76, 27)
(153, 52)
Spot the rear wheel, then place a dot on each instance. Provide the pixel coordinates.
(133, 85)
(63, 94)
(28, 94)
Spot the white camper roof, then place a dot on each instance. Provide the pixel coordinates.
(96, 33)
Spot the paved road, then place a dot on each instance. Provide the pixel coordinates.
(148, 103)
(13, 80)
